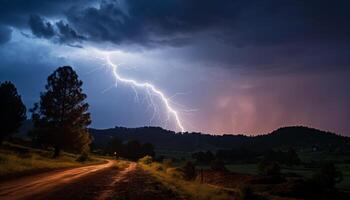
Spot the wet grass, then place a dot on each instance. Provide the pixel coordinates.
(121, 164)
(172, 179)
(16, 160)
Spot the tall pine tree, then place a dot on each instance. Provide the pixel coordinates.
(12, 110)
(62, 116)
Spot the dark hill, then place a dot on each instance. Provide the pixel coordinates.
(295, 137)
(169, 140)
(300, 137)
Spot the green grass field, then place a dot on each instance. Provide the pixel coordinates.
(300, 170)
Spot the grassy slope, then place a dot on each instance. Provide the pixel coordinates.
(34, 160)
(196, 190)
(186, 189)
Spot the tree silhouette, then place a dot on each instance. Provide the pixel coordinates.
(203, 157)
(189, 170)
(327, 176)
(132, 150)
(147, 149)
(269, 168)
(115, 146)
(13, 111)
(62, 117)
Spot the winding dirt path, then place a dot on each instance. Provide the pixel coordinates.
(109, 189)
(95, 182)
(25, 187)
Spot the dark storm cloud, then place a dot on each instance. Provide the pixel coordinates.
(179, 22)
(61, 31)
(240, 23)
(255, 34)
(41, 28)
(17, 12)
(22, 14)
(67, 34)
(144, 23)
(5, 34)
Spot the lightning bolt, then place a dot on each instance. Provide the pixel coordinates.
(148, 87)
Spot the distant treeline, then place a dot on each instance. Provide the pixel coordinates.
(289, 157)
(132, 149)
(289, 137)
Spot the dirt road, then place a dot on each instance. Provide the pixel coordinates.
(45, 182)
(95, 182)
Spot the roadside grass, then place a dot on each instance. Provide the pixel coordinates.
(172, 178)
(25, 160)
(243, 168)
(121, 164)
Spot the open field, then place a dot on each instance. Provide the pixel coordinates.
(299, 170)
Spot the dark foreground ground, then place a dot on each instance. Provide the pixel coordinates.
(98, 182)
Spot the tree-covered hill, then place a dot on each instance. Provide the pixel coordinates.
(294, 137)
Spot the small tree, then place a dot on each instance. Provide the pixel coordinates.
(147, 149)
(147, 160)
(218, 165)
(189, 170)
(12, 110)
(269, 168)
(292, 158)
(247, 193)
(62, 117)
(114, 147)
(327, 176)
(132, 150)
(203, 157)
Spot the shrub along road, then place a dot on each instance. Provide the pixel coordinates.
(103, 181)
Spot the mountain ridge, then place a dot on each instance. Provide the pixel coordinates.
(292, 136)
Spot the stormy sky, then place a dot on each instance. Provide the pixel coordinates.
(226, 66)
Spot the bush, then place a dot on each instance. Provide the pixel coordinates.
(189, 170)
(203, 157)
(133, 149)
(167, 162)
(147, 160)
(218, 165)
(157, 167)
(175, 172)
(269, 168)
(247, 193)
(83, 157)
(290, 157)
(327, 176)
